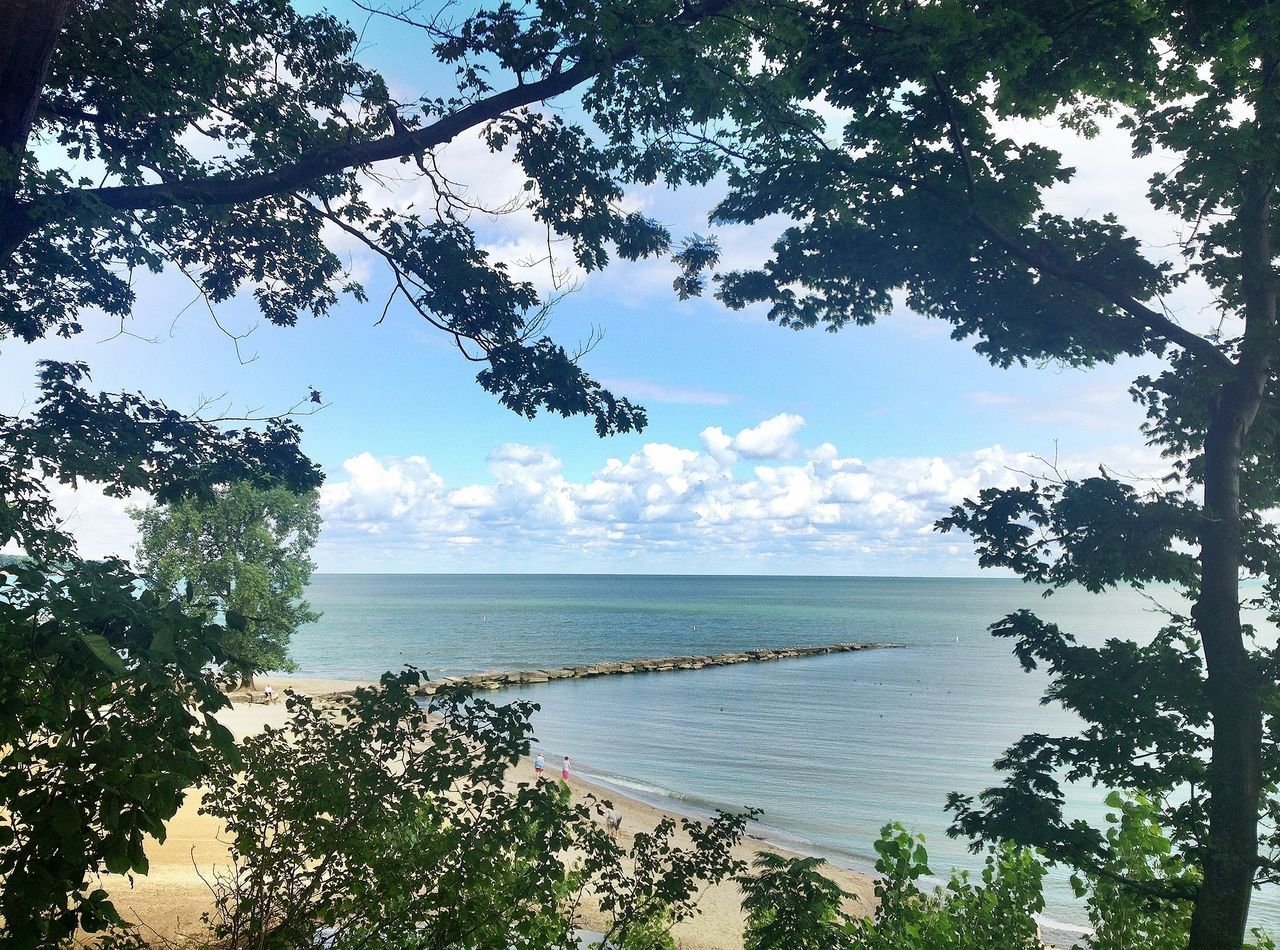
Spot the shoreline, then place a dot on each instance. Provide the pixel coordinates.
(169, 900)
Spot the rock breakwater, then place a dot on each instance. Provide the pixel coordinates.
(495, 679)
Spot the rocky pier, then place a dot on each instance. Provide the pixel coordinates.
(500, 679)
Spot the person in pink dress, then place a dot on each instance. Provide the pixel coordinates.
(564, 771)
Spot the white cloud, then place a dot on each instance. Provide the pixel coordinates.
(99, 523)
(666, 507)
(663, 508)
(772, 439)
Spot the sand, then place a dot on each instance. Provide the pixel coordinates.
(170, 900)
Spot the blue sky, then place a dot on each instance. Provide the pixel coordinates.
(768, 450)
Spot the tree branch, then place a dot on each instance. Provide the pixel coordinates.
(229, 190)
(1153, 320)
(309, 168)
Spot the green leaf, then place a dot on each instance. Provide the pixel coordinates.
(100, 648)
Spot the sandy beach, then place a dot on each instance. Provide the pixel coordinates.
(170, 900)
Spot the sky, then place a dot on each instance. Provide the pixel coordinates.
(768, 450)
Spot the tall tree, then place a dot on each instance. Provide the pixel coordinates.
(927, 197)
(241, 556)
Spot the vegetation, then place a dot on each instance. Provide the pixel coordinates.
(233, 181)
(222, 140)
(106, 703)
(385, 824)
(924, 195)
(933, 193)
(240, 555)
(790, 903)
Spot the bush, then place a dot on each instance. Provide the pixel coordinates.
(791, 905)
(1122, 913)
(999, 913)
(383, 824)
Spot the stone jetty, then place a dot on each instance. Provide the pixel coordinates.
(500, 679)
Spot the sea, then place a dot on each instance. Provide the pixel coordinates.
(830, 748)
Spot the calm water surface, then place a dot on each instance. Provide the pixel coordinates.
(829, 747)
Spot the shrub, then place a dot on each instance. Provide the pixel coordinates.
(385, 824)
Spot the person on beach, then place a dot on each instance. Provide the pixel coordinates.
(267, 695)
(539, 764)
(613, 822)
(564, 772)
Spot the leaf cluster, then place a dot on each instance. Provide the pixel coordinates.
(1143, 705)
(381, 821)
(106, 697)
(242, 554)
(1097, 532)
(791, 905)
(229, 142)
(1000, 912)
(106, 718)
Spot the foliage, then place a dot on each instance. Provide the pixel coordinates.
(1121, 916)
(651, 933)
(381, 811)
(230, 142)
(789, 902)
(241, 554)
(921, 196)
(998, 913)
(931, 189)
(106, 705)
(656, 885)
(227, 142)
(791, 905)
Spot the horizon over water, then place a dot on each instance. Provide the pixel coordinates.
(830, 747)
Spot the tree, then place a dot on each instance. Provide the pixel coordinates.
(790, 903)
(241, 555)
(106, 705)
(107, 710)
(289, 125)
(927, 198)
(924, 197)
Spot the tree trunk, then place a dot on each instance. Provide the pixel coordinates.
(29, 31)
(1234, 686)
(1231, 858)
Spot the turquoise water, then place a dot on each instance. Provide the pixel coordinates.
(829, 747)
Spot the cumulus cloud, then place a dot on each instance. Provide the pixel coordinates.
(772, 439)
(675, 508)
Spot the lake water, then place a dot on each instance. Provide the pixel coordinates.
(830, 747)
